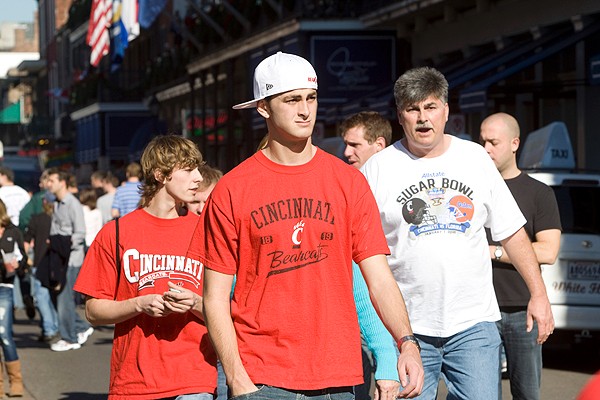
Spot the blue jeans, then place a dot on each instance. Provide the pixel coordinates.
(69, 321)
(274, 393)
(9, 348)
(523, 355)
(222, 389)
(468, 361)
(43, 302)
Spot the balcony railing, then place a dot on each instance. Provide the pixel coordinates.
(164, 50)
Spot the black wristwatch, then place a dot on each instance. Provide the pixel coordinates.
(409, 338)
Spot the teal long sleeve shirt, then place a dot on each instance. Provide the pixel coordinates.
(378, 339)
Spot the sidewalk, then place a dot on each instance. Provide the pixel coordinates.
(72, 375)
(83, 374)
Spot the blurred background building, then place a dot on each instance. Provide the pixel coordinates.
(186, 62)
(18, 46)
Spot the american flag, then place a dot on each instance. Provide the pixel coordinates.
(98, 30)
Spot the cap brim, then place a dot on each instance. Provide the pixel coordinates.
(248, 104)
(254, 103)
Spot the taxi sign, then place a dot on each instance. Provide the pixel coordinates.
(548, 148)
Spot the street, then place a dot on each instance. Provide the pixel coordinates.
(72, 375)
(83, 374)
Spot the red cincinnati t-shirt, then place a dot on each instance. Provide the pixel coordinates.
(152, 357)
(290, 233)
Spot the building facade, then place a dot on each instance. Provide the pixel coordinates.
(537, 61)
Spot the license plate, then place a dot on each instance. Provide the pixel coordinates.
(584, 270)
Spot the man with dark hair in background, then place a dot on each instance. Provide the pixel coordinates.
(67, 230)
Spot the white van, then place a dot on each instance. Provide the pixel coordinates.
(573, 281)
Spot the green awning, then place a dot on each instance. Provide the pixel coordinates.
(11, 114)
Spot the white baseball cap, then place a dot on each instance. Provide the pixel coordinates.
(280, 73)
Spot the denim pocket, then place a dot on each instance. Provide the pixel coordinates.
(250, 395)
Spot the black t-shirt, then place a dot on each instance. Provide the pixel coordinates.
(38, 230)
(538, 204)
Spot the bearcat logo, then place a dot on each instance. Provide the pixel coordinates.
(416, 212)
(297, 234)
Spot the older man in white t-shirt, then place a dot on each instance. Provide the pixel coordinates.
(436, 193)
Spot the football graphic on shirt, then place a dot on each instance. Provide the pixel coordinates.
(461, 208)
(414, 211)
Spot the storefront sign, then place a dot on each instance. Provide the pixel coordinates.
(353, 66)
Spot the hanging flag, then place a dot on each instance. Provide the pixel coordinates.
(98, 36)
(118, 37)
(118, 44)
(129, 16)
(149, 10)
(124, 29)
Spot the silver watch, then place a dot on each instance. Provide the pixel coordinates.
(498, 252)
(409, 338)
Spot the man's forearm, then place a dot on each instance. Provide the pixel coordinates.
(222, 334)
(198, 308)
(545, 248)
(217, 315)
(106, 312)
(386, 297)
(520, 251)
(389, 304)
(547, 245)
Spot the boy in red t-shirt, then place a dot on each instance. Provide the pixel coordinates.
(288, 222)
(161, 348)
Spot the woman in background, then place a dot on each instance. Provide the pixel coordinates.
(14, 261)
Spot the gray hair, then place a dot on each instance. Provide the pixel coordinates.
(416, 84)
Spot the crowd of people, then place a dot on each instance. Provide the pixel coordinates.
(44, 237)
(277, 269)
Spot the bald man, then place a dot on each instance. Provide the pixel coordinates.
(500, 137)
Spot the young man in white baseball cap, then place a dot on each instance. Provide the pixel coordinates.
(288, 221)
